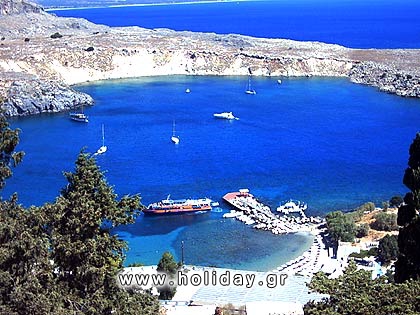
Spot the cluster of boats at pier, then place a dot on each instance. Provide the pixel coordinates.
(252, 212)
(246, 209)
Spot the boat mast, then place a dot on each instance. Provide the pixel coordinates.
(103, 135)
(173, 128)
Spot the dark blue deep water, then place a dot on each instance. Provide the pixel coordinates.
(326, 141)
(351, 23)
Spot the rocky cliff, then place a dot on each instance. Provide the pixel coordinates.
(41, 56)
(13, 7)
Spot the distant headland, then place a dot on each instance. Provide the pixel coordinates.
(42, 56)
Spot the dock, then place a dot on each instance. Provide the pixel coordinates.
(253, 212)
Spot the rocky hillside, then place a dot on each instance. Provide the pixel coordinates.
(41, 56)
(14, 7)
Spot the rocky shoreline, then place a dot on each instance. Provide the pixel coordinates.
(42, 56)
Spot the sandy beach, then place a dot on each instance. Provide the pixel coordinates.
(285, 285)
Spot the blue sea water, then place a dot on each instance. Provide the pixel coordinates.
(326, 141)
(351, 23)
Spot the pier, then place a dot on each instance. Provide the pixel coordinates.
(253, 212)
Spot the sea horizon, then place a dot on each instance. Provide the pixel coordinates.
(49, 9)
(356, 24)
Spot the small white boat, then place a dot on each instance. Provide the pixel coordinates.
(174, 138)
(214, 204)
(226, 115)
(187, 91)
(232, 214)
(292, 206)
(103, 148)
(279, 81)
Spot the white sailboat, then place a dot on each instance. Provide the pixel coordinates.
(249, 90)
(174, 138)
(103, 148)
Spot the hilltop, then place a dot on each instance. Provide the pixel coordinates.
(42, 56)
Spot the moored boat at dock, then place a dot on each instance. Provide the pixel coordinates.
(292, 206)
(169, 206)
(253, 212)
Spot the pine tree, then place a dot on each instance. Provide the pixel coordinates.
(408, 263)
(26, 275)
(9, 139)
(86, 255)
(169, 266)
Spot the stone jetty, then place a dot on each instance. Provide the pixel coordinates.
(253, 212)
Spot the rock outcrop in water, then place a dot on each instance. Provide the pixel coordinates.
(42, 55)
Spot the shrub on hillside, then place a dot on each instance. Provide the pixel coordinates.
(362, 230)
(56, 35)
(388, 248)
(395, 201)
(385, 222)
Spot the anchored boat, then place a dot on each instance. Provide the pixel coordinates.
(80, 117)
(225, 115)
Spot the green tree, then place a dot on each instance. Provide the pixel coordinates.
(408, 263)
(385, 222)
(26, 274)
(355, 293)
(9, 139)
(396, 201)
(362, 230)
(25, 271)
(169, 266)
(341, 227)
(388, 248)
(86, 255)
(367, 207)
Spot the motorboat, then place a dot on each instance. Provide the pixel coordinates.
(80, 117)
(292, 206)
(225, 115)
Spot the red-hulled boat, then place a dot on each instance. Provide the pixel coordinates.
(169, 206)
